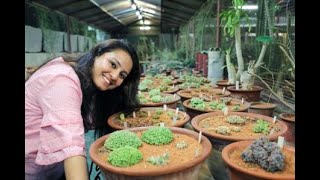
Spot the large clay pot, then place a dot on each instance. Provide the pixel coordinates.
(195, 92)
(248, 95)
(183, 171)
(240, 173)
(223, 83)
(263, 108)
(170, 104)
(289, 119)
(113, 120)
(192, 112)
(219, 141)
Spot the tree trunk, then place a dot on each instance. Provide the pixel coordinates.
(239, 51)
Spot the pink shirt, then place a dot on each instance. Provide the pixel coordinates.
(54, 128)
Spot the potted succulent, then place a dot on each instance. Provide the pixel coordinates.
(148, 116)
(236, 126)
(207, 93)
(259, 159)
(154, 98)
(196, 106)
(151, 153)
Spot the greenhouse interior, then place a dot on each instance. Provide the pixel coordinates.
(160, 89)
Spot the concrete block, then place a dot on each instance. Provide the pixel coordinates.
(53, 41)
(33, 39)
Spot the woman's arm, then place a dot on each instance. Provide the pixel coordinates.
(75, 168)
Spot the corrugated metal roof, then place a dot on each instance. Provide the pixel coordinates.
(163, 16)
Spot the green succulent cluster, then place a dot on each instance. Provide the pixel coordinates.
(197, 103)
(234, 119)
(181, 145)
(157, 136)
(122, 138)
(125, 156)
(261, 126)
(159, 160)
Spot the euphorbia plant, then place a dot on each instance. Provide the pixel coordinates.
(232, 28)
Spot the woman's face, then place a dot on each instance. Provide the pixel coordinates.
(110, 69)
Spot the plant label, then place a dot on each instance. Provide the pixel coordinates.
(134, 114)
(280, 141)
(173, 86)
(165, 107)
(149, 114)
(199, 137)
(177, 111)
(161, 124)
(274, 119)
(223, 90)
(174, 95)
(237, 85)
(225, 111)
(242, 100)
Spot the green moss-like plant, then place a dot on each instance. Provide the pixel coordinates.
(122, 138)
(125, 156)
(261, 126)
(157, 136)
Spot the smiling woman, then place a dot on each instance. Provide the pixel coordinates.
(110, 69)
(62, 102)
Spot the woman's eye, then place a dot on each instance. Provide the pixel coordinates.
(122, 75)
(113, 65)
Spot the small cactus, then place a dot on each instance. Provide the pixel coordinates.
(181, 145)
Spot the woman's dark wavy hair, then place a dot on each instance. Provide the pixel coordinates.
(98, 105)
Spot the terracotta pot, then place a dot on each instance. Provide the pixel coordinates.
(263, 108)
(196, 92)
(192, 112)
(170, 104)
(219, 141)
(289, 119)
(223, 83)
(183, 171)
(248, 95)
(241, 173)
(179, 123)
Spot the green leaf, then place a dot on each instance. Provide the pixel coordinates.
(264, 39)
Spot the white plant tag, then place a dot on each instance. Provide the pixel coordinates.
(274, 119)
(225, 111)
(173, 86)
(134, 114)
(165, 107)
(237, 85)
(161, 124)
(199, 137)
(280, 141)
(177, 111)
(174, 95)
(223, 90)
(242, 100)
